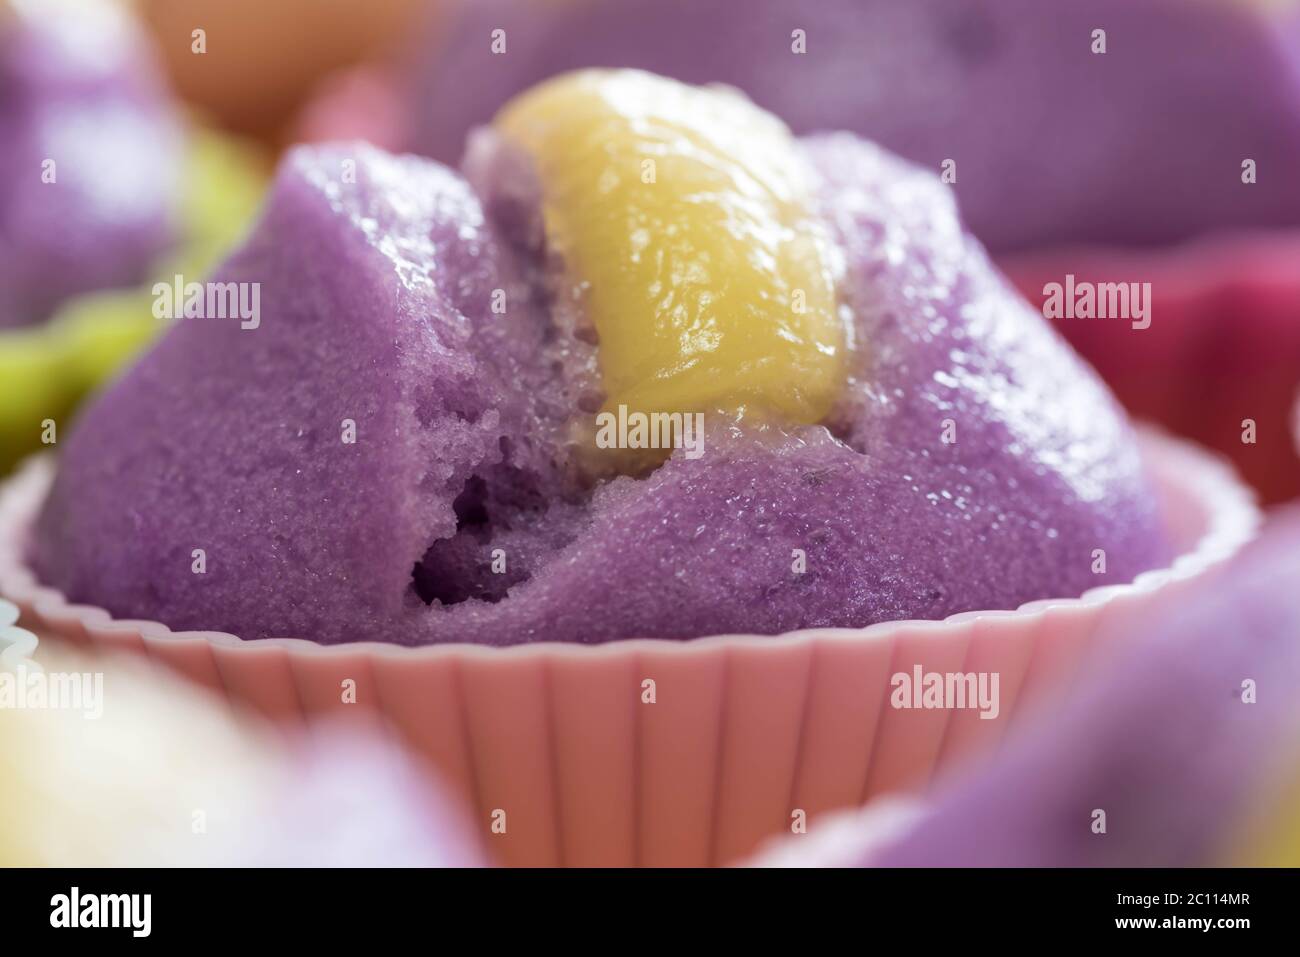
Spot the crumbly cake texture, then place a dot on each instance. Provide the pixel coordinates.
(1038, 124)
(378, 278)
(90, 158)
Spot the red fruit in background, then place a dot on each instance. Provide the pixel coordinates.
(1223, 345)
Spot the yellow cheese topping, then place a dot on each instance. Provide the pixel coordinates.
(685, 214)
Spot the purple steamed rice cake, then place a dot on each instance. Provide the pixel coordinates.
(394, 449)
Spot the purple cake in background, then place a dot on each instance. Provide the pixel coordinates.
(89, 155)
(214, 485)
(1052, 142)
(1180, 742)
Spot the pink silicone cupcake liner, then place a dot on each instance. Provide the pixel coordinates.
(560, 743)
(1223, 344)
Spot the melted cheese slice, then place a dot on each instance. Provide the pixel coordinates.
(685, 215)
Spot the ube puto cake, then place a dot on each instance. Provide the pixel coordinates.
(648, 368)
(1049, 138)
(90, 155)
(428, 433)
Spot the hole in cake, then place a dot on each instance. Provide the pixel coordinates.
(470, 508)
(507, 525)
(459, 568)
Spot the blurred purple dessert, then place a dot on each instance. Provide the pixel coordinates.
(651, 367)
(1162, 759)
(90, 155)
(1051, 130)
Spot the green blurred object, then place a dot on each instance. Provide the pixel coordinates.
(47, 370)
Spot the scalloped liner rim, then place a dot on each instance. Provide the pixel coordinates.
(1231, 509)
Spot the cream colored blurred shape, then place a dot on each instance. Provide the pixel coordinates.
(164, 777)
